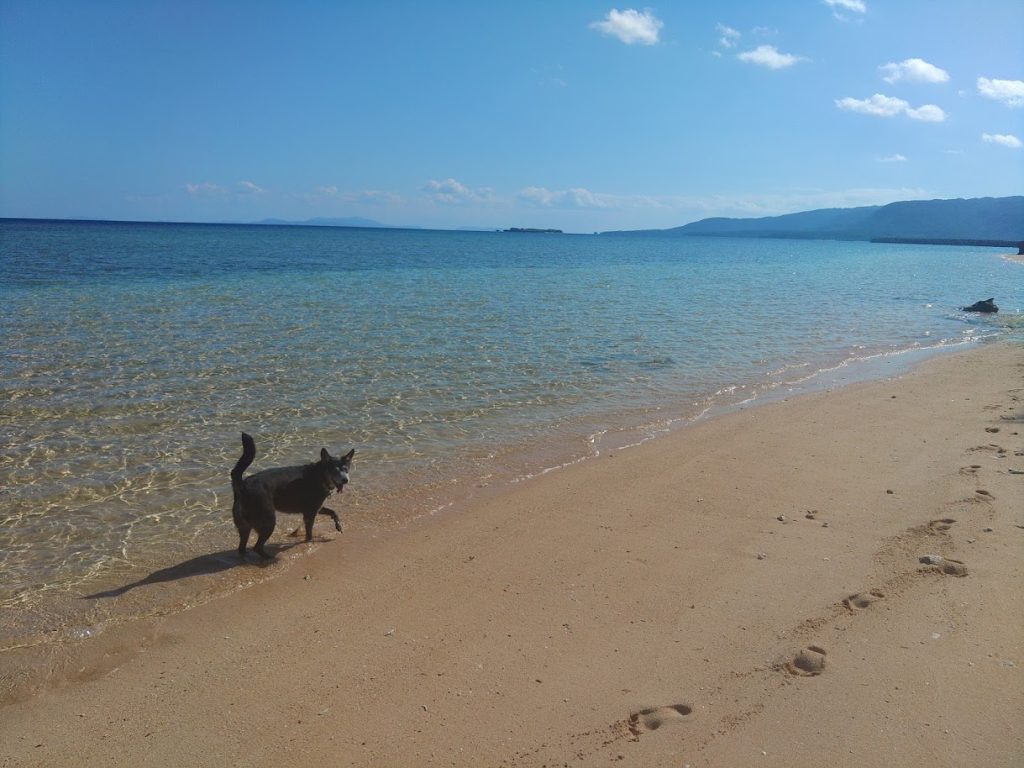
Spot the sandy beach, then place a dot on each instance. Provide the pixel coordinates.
(745, 591)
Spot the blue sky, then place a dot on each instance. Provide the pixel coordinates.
(579, 115)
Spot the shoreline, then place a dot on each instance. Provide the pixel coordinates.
(215, 577)
(558, 620)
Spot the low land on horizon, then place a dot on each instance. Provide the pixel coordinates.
(985, 221)
(977, 221)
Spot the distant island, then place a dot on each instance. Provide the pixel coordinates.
(995, 221)
(534, 231)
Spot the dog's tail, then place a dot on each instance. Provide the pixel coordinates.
(248, 454)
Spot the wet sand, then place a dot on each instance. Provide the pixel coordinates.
(745, 591)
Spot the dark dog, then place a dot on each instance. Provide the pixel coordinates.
(301, 490)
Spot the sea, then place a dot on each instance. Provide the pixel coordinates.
(454, 363)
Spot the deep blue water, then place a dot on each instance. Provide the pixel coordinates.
(134, 354)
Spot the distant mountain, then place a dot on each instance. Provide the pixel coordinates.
(349, 221)
(977, 219)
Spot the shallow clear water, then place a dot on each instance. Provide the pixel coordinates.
(135, 354)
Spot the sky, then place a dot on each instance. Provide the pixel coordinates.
(578, 115)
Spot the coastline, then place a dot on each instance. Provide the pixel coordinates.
(74, 614)
(569, 618)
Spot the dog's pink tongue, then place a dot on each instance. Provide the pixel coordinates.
(341, 489)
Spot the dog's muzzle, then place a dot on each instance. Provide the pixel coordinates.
(340, 482)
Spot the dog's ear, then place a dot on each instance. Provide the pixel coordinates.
(324, 455)
(348, 456)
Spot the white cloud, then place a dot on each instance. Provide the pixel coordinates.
(896, 158)
(913, 71)
(729, 36)
(768, 56)
(209, 189)
(880, 105)
(630, 26)
(577, 197)
(206, 188)
(452, 192)
(1004, 139)
(1010, 92)
(928, 113)
(857, 6)
(248, 188)
(368, 196)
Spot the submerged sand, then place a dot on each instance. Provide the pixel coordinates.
(746, 591)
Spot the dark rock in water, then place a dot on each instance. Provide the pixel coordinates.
(987, 306)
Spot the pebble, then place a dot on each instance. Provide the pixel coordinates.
(825, 524)
(781, 518)
(761, 556)
(389, 633)
(931, 559)
(988, 530)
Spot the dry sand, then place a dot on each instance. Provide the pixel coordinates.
(678, 603)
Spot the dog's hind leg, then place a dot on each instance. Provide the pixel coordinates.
(263, 532)
(333, 515)
(243, 538)
(243, 529)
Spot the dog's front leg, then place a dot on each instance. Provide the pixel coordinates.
(333, 515)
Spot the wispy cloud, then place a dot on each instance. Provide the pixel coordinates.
(1003, 139)
(248, 188)
(768, 56)
(855, 6)
(729, 36)
(630, 26)
(913, 71)
(880, 105)
(209, 189)
(715, 205)
(578, 197)
(451, 192)
(1010, 92)
(204, 189)
(896, 158)
(551, 75)
(365, 197)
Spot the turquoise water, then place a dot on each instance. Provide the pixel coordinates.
(135, 354)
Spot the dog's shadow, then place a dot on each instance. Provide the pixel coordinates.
(203, 565)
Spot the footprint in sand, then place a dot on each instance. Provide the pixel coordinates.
(984, 494)
(970, 470)
(942, 525)
(808, 663)
(860, 600)
(652, 718)
(945, 566)
(990, 448)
